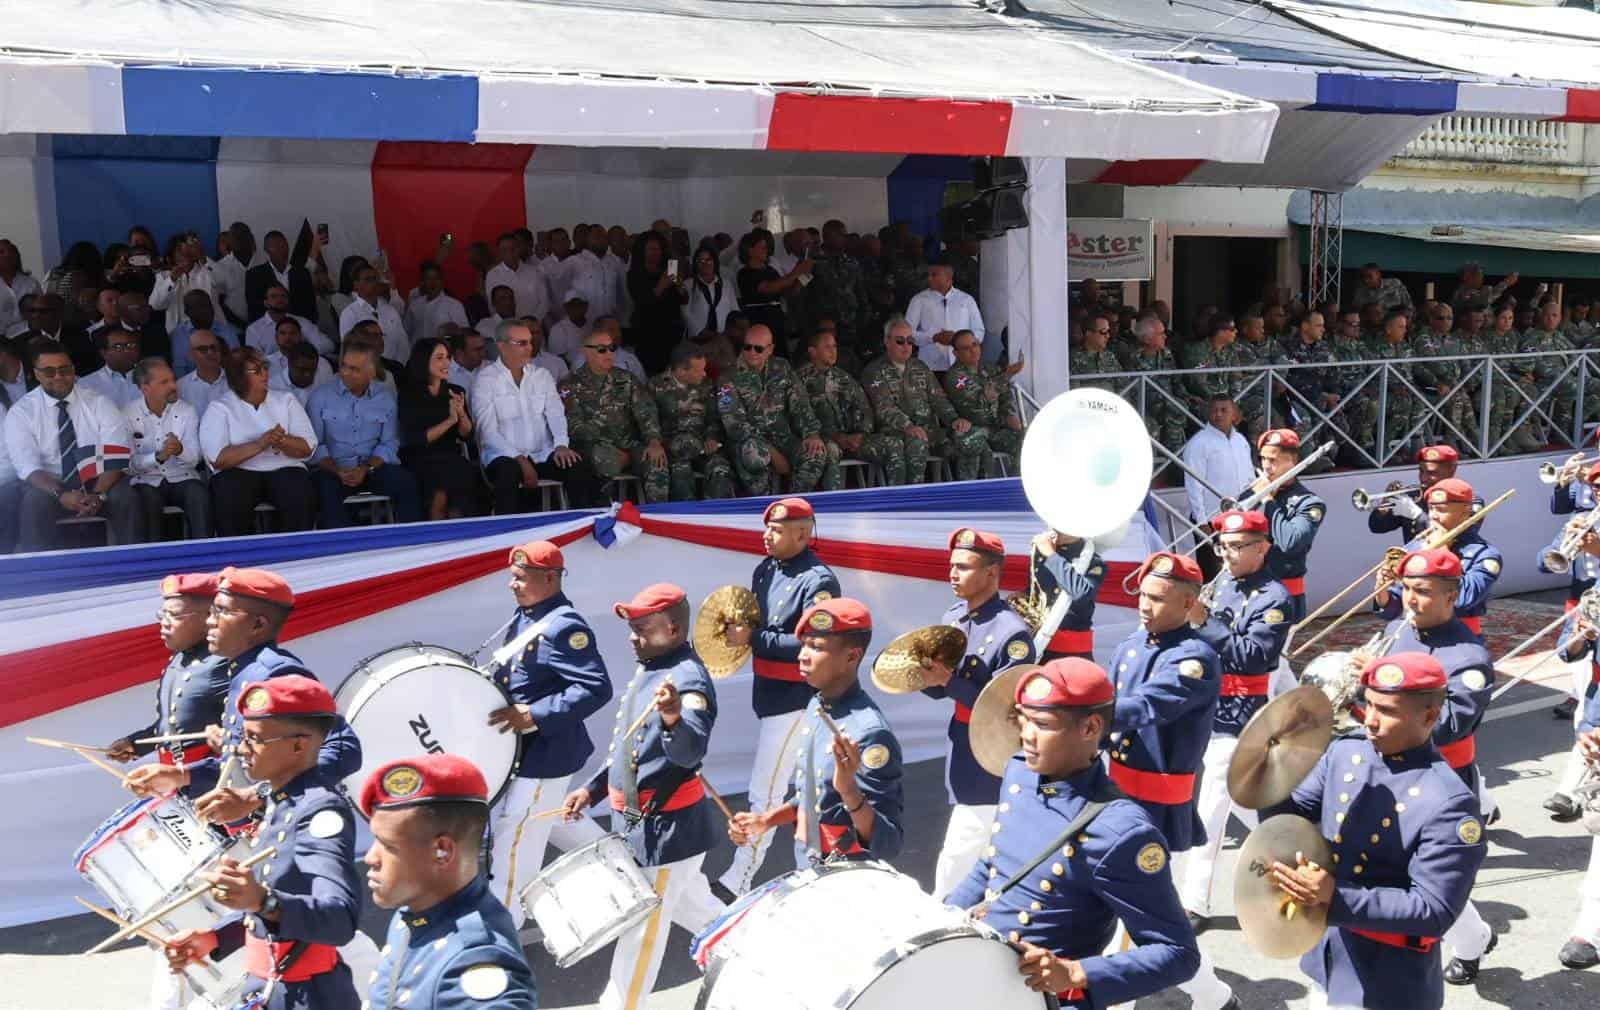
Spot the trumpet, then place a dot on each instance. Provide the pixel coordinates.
(1366, 501)
(1550, 473)
(1559, 560)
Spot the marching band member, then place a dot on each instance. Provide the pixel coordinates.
(1450, 503)
(556, 679)
(301, 904)
(1568, 496)
(1062, 563)
(997, 639)
(1585, 567)
(848, 795)
(1429, 582)
(1246, 625)
(451, 944)
(1103, 856)
(1168, 679)
(1580, 950)
(1407, 513)
(787, 581)
(652, 785)
(1388, 900)
(1294, 513)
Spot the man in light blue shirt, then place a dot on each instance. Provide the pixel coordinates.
(356, 421)
(199, 313)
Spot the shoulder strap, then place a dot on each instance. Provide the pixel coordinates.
(1085, 817)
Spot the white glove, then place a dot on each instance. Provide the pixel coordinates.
(1085, 558)
(1407, 509)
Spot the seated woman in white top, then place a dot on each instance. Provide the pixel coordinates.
(257, 440)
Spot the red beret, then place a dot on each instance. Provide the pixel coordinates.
(257, 583)
(1438, 454)
(1439, 562)
(968, 539)
(649, 600)
(538, 554)
(1451, 489)
(1177, 567)
(834, 617)
(201, 584)
(1283, 438)
(1234, 521)
(1065, 683)
(426, 778)
(1592, 474)
(786, 509)
(1403, 671)
(290, 695)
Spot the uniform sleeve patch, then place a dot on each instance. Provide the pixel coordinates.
(1152, 858)
(578, 640)
(1097, 570)
(1474, 679)
(1017, 649)
(821, 596)
(1492, 566)
(693, 700)
(1273, 616)
(484, 981)
(1192, 668)
(1315, 512)
(1469, 830)
(875, 757)
(326, 824)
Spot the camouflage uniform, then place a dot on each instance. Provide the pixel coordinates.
(1203, 384)
(842, 409)
(1269, 351)
(838, 291)
(610, 414)
(1558, 407)
(1163, 418)
(1312, 384)
(983, 396)
(1361, 413)
(1443, 380)
(1504, 401)
(1481, 297)
(908, 275)
(1084, 362)
(767, 410)
(908, 394)
(880, 304)
(1390, 294)
(1402, 410)
(688, 418)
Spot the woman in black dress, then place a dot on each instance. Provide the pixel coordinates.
(434, 426)
(762, 289)
(657, 295)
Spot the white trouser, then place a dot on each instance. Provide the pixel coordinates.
(686, 899)
(167, 991)
(1193, 870)
(1572, 774)
(777, 748)
(1588, 925)
(966, 836)
(1486, 802)
(520, 837)
(1469, 935)
(1206, 991)
(1283, 679)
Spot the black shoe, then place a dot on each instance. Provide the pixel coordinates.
(1576, 953)
(720, 891)
(1563, 808)
(1565, 709)
(1492, 819)
(1464, 971)
(1232, 1004)
(1197, 922)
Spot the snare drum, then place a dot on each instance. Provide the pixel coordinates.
(589, 897)
(886, 945)
(415, 699)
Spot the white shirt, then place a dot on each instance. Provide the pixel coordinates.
(588, 274)
(527, 282)
(8, 473)
(150, 430)
(517, 419)
(263, 335)
(231, 421)
(278, 376)
(167, 296)
(1223, 460)
(33, 437)
(567, 337)
(396, 342)
(198, 393)
(556, 272)
(486, 327)
(227, 285)
(424, 316)
(13, 293)
(117, 387)
(617, 271)
(694, 309)
(549, 362)
(930, 312)
(17, 390)
(461, 377)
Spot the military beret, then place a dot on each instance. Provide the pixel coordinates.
(1440, 562)
(968, 539)
(1065, 683)
(1438, 454)
(1235, 521)
(1592, 474)
(201, 584)
(285, 696)
(1283, 438)
(426, 778)
(1451, 489)
(1177, 567)
(256, 583)
(785, 509)
(538, 554)
(649, 600)
(1402, 672)
(834, 617)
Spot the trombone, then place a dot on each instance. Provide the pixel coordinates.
(1550, 473)
(1366, 501)
(1390, 563)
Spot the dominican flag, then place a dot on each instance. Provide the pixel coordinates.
(91, 461)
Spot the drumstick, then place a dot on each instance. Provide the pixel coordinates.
(82, 751)
(838, 734)
(644, 715)
(711, 792)
(66, 745)
(180, 900)
(172, 738)
(227, 767)
(110, 916)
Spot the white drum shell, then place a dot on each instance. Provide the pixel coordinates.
(589, 897)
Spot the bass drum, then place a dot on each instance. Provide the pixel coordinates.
(896, 948)
(426, 699)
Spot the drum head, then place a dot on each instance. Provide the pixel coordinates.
(957, 971)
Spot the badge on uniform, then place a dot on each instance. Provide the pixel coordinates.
(821, 596)
(1492, 566)
(693, 700)
(875, 757)
(1037, 688)
(1162, 565)
(1469, 830)
(966, 538)
(779, 511)
(821, 621)
(484, 981)
(1152, 858)
(578, 640)
(402, 781)
(1417, 565)
(1192, 668)
(1388, 676)
(1273, 616)
(326, 824)
(257, 700)
(1315, 512)
(1096, 570)
(1017, 649)
(1474, 679)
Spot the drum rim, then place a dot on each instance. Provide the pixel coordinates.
(571, 856)
(611, 932)
(395, 648)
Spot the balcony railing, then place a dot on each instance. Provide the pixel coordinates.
(1500, 140)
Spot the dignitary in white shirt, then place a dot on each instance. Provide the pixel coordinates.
(430, 306)
(467, 351)
(262, 334)
(708, 296)
(257, 441)
(119, 351)
(286, 337)
(228, 274)
(188, 272)
(164, 468)
(10, 493)
(569, 333)
(938, 313)
(522, 428)
(1220, 455)
(70, 446)
(525, 279)
(304, 372)
(207, 382)
(587, 274)
(368, 305)
(542, 358)
(13, 373)
(503, 302)
(15, 285)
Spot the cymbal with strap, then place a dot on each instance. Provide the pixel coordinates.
(725, 606)
(1279, 747)
(898, 668)
(994, 733)
(1272, 924)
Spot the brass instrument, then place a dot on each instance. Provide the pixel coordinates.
(1560, 559)
(1366, 501)
(1587, 793)
(1338, 674)
(1550, 473)
(1588, 609)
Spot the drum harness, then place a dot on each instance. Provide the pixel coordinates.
(1085, 817)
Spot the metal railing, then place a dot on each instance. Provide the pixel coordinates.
(1499, 139)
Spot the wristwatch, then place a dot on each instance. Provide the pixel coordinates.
(270, 904)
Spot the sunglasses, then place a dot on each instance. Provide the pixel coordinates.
(758, 348)
(902, 341)
(50, 373)
(602, 348)
(124, 347)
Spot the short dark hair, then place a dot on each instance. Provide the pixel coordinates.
(300, 352)
(684, 353)
(856, 639)
(102, 336)
(318, 726)
(463, 821)
(817, 333)
(235, 364)
(39, 348)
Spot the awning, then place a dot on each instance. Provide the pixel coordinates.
(1532, 252)
(890, 77)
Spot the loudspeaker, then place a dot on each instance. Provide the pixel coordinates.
(997, 173)
(999, 211)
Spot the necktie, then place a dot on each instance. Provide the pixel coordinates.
(67, 439)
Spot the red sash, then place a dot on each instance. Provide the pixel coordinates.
(1474, 623)
(1461, 753)
(1245, 685)
(1071, 641)
(261, 959)
(830, 835)
(1153, 787)
(1420, 944)
(1570, 606)
(687, 795)
(776, 670)
(963, 714)
(192, 753)
(1296, 585)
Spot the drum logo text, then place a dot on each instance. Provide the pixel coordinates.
(424, 734)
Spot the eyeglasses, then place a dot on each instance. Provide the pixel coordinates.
(123, 346)
(602, 348)
(757, 348)
(220, 612)
(47, 372)
(518, 343)
(1239, 545)
(163, 614)
(252, 740)
(902, 341)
